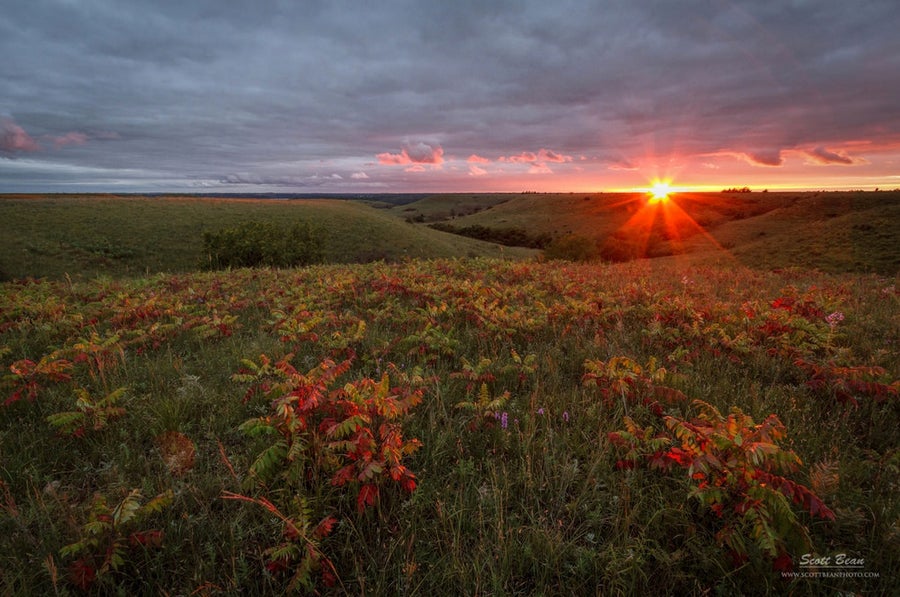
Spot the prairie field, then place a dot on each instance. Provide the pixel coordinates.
(465, 421)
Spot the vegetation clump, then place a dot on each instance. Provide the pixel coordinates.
(511, 237)
(572, 247)
(254, 244)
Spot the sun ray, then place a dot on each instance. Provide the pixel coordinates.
(661, 221)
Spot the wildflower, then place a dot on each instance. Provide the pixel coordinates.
(566, 416)
(504, 420)
(540, 411)
(834, 318)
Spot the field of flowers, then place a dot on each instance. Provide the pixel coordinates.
(451, 427)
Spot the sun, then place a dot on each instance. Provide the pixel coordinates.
(659, 191)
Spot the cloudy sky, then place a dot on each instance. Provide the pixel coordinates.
(462, 95)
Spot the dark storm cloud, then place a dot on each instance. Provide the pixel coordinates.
(326, 93)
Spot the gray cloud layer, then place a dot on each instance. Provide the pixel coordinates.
(347, 95)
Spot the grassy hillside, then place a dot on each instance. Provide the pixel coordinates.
(848, 231)
(450, 427)
(831, 232)
(87, 236)
(434, 208)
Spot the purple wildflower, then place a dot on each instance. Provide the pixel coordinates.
(540, 411)
(834, 318)
(504, 419)
(566, 416)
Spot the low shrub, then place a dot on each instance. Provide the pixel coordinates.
(572, 248)
(511, 237)
(254, 244)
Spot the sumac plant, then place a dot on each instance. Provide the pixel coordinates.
(27, 378)
(352, 433)
(625, 379)
(90, 413)
(321, 434)
(849, 383)
(735, 469)
(111, 534)
(299, 547)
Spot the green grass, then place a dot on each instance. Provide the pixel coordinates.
(541, 505)
(538, 507)
(101, 235)
(835, 231)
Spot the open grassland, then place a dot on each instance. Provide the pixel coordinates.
(450, 427)
(104, 235)
(835, 231)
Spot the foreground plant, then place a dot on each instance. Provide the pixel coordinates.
(485, 408)
(27, 378)
(109, 534)
(322, 436)
(299, 549)
(624, 378)
(735, 469)
(89, 413)
(351, 432)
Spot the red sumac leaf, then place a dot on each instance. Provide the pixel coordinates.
(367, 496)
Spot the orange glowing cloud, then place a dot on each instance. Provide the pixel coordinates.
(419, 153)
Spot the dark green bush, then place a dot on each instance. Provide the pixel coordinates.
(511, 237)
(253, 244)
(572, 247)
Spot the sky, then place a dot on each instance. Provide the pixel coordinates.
(303, 96)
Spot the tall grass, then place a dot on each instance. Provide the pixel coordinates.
(520, 498)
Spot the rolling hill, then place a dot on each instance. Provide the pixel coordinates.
(90, 235)
(834, 231)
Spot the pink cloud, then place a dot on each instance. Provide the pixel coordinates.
(72, 138)
(477, 159)
(393, 159)
(419, 153)
(541, 157)
(13, 138)
(547, 155)
(765, 158)
(539, 168)
(526, 157)
(623, 166)
(821, 155)
(476, 170)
